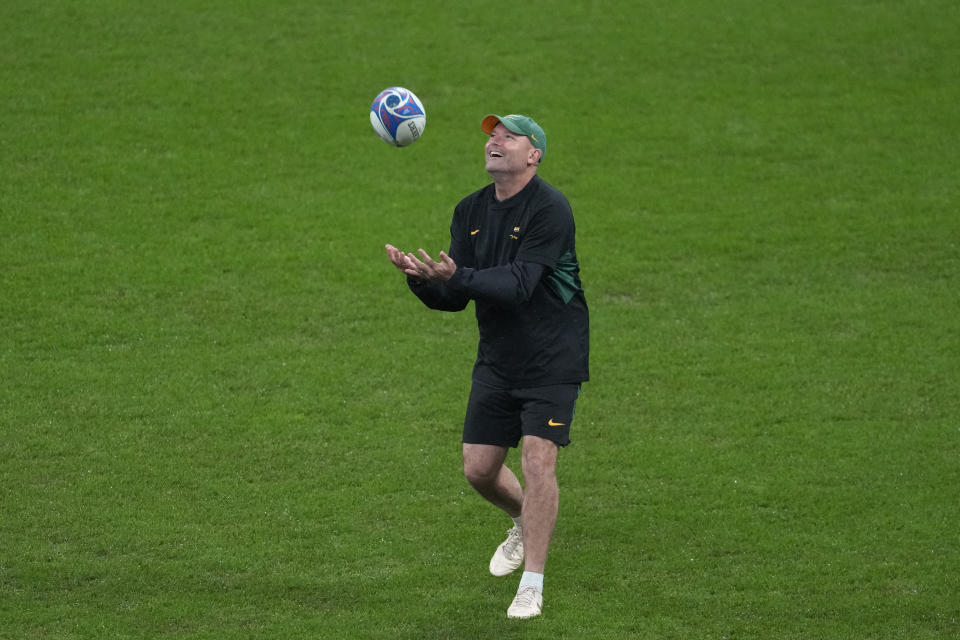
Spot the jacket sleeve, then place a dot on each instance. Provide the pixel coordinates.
(508, 285)
(440, 296)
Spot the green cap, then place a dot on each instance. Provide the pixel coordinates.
(523, 125)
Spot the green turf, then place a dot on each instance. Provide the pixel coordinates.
(224, 417)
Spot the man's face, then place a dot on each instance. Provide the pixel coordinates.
(508, 152)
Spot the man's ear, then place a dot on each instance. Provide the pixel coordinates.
(535, 155)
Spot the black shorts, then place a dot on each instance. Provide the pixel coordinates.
(503, 416)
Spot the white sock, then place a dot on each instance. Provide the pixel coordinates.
(531, 579)
(516, 521)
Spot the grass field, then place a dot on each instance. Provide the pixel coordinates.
(223, 415)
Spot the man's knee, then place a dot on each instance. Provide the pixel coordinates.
(481, 465)
(478, 474)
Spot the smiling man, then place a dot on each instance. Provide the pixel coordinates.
(512, 251)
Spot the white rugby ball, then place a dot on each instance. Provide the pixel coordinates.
(398, 117)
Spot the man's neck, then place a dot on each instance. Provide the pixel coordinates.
(508, 185)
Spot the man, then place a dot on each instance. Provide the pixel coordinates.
(512, 252)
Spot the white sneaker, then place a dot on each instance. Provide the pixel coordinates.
(509, 554)
(528, 603)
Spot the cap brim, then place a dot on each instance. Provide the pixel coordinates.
(489, 122)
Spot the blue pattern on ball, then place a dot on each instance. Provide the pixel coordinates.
(393, 107)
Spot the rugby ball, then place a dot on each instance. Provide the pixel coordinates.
(397, 116)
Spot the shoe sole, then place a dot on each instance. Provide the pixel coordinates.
(522, 617)
(503, 575)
